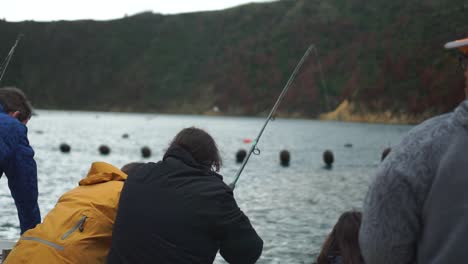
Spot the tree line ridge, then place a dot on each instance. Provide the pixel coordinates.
(380, 56)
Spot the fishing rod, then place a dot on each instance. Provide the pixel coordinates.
(254, 148)
(9, 56)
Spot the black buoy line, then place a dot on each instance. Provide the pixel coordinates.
(240, 155)
(145, 152)
(285, 158)
(328, 158)
(254, 148)
(104, 150)
(65, 148)
(8, 57)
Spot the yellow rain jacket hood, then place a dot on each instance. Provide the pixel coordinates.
(79, 228)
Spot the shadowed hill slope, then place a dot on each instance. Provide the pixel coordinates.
(379, 55)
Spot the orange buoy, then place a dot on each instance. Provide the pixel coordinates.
(247, 140)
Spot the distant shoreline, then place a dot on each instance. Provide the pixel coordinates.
(347, 112)
(338, 115)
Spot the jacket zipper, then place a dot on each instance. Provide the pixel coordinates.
(51, 244)
(79, 226)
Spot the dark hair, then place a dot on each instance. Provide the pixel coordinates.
(343, 240)
(130, 167)
(13, 99)
(200, 145)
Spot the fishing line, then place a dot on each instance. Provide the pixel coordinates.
(8, 57)
(322, 78)
(254, 149)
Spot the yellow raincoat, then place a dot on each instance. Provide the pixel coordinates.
(79, 228)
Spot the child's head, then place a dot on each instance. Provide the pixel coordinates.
(343, 241)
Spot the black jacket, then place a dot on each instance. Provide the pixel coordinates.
(177, 211)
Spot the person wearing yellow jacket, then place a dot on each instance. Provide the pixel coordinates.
(79, 228)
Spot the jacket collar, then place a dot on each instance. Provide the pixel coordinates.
(461, 114)
(183, 155)
(102, 172)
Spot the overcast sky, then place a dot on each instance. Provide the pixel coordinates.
(47, 10)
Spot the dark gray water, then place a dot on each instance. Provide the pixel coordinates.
(293, 209)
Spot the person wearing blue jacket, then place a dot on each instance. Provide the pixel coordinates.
(17, 157)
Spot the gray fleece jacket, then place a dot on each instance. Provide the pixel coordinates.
(416, 210)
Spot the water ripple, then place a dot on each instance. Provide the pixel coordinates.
(292, 209)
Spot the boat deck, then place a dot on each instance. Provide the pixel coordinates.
(4, 246)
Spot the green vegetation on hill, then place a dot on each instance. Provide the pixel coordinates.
(381, 55)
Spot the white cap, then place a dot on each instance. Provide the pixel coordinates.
(461, 44)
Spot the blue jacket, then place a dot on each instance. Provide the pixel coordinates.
(17, 162)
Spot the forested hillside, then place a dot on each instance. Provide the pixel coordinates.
(380, 55)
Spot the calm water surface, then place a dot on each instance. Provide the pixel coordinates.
(292, 209)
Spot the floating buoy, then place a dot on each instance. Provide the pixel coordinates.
(285, 157)
(247, 140)
(65, 148)
(145, 152)
(104, 150)
(348, 145)
(125, 135)
(240, 155)
(328, 158)
(385, 153)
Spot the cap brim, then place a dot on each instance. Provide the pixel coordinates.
(461, 44)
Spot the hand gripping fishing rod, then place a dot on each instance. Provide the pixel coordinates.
(8, 57)
(254, 148)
